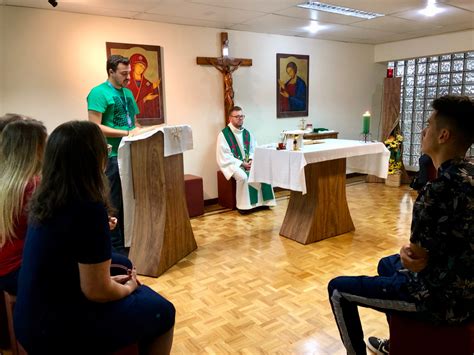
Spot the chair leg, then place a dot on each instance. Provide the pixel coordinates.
(4, 331)
(10, 303)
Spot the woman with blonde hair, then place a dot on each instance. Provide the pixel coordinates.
(21, 153)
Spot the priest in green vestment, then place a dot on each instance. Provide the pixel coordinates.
(234, 153)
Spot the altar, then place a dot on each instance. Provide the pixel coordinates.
(316, 176)
(157, 226)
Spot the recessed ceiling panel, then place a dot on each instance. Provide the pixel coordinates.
(202, 12)
(267, 6)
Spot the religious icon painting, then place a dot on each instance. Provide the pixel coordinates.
(292, 85)
(146, 79)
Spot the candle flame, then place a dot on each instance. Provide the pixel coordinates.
(367, 113)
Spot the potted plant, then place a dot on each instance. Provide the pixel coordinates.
(393, 144)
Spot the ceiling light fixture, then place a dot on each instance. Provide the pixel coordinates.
(313, 27)
(431, 9)
(347, 11)
(53, 3)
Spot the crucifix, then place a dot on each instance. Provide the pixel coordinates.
(303, 123)
(226, 65)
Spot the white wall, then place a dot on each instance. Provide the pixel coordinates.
(433, 45)
(52, 60)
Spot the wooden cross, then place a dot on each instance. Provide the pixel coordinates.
(226, 65)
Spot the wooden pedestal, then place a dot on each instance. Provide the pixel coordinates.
(162, 233)
(322, 212)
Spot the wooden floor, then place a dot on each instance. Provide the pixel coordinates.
(248, 290)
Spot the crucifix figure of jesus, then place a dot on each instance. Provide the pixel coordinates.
(226, 65)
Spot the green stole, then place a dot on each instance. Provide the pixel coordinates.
(267, 191)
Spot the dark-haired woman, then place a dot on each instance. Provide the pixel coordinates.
(67, 300)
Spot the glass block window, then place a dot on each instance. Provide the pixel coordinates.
(424, 79)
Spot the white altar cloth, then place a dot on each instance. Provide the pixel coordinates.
(176, 140)
(285, 168)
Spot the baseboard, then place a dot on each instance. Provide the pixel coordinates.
(353, 175)
(213, 201)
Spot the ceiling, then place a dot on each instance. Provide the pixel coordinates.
(402, 19)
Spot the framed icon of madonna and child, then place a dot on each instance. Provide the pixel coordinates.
(292, 85)
(146, 79)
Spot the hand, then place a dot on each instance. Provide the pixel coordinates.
(132, 283)
(149, 97)
(413, 258)
(284, 94)
(134, 132)
(247, 165)
(112, 223)
(281, 84)
(121, 279)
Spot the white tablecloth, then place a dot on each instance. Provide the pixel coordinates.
(177, 139)
(284, 168)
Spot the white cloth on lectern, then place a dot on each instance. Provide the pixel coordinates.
(176, 140)
(230, 167)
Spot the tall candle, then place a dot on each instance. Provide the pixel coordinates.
(366, 123)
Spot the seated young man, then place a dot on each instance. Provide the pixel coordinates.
(431, 278)
(234, 155)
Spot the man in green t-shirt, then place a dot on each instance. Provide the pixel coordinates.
(113, 108)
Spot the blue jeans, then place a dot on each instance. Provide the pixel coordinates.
(386, 293)
(115, 186)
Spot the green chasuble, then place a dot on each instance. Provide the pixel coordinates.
(267, 191)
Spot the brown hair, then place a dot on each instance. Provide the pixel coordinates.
(457, 114)
(73, 169)
(233, 109)
(114, 60)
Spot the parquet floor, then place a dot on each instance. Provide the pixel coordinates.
(247, 290)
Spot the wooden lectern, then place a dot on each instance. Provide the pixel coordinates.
(162, 233)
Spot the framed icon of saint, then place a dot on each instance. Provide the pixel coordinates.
(146, 79)
(292, 85)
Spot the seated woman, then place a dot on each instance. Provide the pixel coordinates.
(67, 301)
(21, 153)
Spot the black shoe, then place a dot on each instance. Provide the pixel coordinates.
(245, 212)
(378, 345)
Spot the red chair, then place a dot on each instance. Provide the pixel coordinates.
(194, 195)
(413, 337)
(226, 191)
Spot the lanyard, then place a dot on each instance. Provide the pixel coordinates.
(123, 101)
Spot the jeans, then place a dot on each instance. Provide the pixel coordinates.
(385, 293)
(115, 186)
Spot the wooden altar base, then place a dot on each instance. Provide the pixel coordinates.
(323, 211)
(164, 236)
